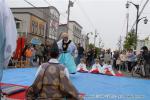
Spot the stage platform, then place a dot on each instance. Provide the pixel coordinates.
(94, 86)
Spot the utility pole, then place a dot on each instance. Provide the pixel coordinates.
(70, 4)
(137, 18)
(95, 35)
(120, 43)
(127, 24)
(100, 41)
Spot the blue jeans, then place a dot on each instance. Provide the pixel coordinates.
(78, 59)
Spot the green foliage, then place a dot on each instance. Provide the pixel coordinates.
(90, 46)
(130, 41)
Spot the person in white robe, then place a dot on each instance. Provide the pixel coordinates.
(82, 66)
(8, 35)
(108, 67)
(97, 68)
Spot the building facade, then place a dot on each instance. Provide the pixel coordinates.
(142, 43)
(42, 23)
(74, 31)
(84, 41)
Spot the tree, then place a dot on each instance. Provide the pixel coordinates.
(130, 41)
(91, 46)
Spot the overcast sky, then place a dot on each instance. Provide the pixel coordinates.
(107, 16)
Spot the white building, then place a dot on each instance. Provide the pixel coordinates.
(142, 43)
(41, 22)
(74, 31)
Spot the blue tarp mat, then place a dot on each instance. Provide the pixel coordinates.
(95, 86)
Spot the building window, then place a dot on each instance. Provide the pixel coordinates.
(36, 27)
(18, 25)
(33, 26)
(41, 30)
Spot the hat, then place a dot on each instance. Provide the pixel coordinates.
(54, 48)
(82, 59)
(144, 48)
(96, 60)
(65, 35)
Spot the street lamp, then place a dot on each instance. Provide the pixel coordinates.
(89, 33)
(137, 18)
(145, 21)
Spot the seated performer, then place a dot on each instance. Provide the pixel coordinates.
(67, 52)
(108, 68)
(51, 81)
(82, 67)
(96, 68)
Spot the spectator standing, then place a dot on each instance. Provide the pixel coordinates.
(80, 53)
(146, 56)
(123, 59)
(131, 58)
(107, 56)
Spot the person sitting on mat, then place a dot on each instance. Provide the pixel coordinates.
(108, 68)
(96, 68)
(82, 66)
(51, 81)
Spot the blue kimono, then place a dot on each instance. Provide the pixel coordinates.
(67, 51)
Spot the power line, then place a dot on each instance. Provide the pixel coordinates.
(85, 14)
(146, 13)
(141, 2)
(47, 2)
(74, 1)
(42, 11)
(123, 25)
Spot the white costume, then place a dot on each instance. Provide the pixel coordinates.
(107, 67)
(82, 67)
(97, 67)
(8, 35)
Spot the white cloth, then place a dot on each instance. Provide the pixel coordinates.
(81, 66)
(123, 57)
(107, 57)
(109, 67)
(97, 66)
(8, 35)
(8, 32)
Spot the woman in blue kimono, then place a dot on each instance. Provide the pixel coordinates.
(67, 52)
